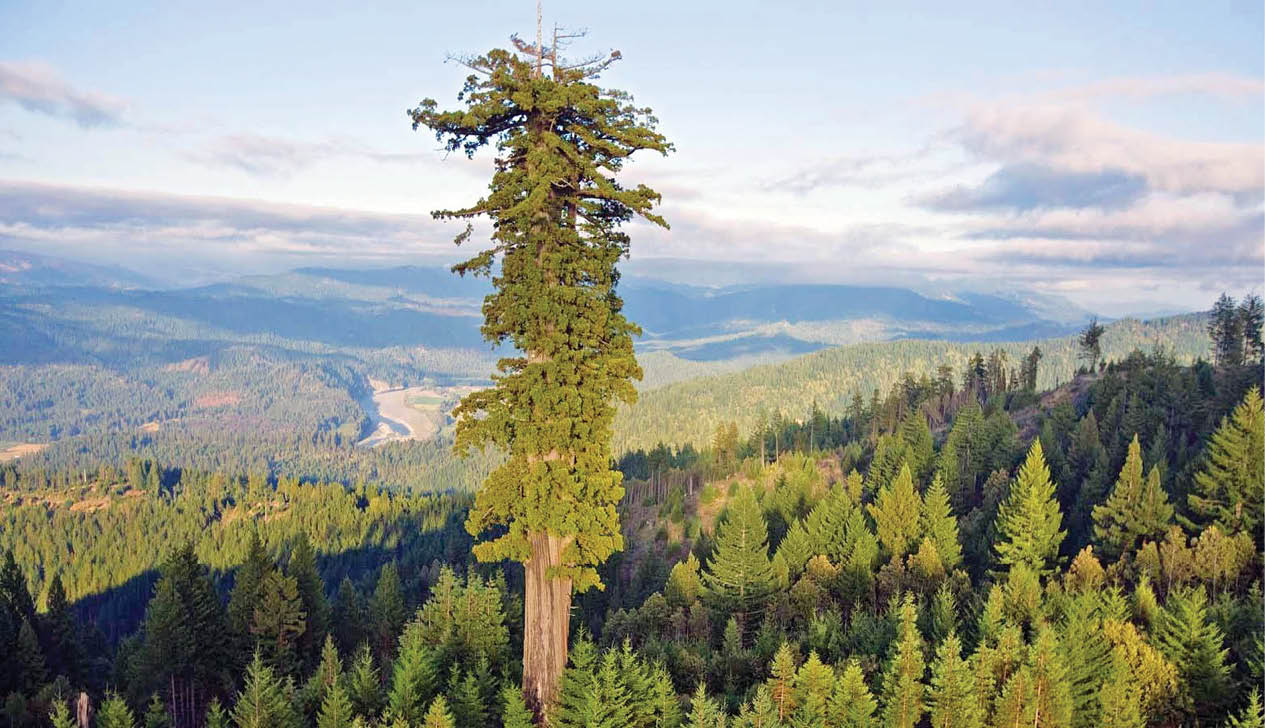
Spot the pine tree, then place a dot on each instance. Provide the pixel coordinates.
(1117, 702)
(415, 678)
(1195, 645)
(386, 611)
(1029, 519)
(896, 514)
(155, 713)
(813, 685)
(556, 209)
(1136, 509)
(939, 524)
(363, 684)
(350, 617)
(1230, 489)
(216, 717)
(29, 659)
(1087, 654)
(264, 701)
(851, 704)
(336, 710)
(704, 712)
(248, 583)
(279, 622)
(952, 694)
(782, 682)
(467, 705)
(437, 715)
(61, 632)
(1252, 715)
(312, 600)
(739, 578)
(515, 713)
(114, 713)
(1051, 702)
(903, 689)
(59, 716)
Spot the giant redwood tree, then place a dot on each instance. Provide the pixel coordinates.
(556, 210)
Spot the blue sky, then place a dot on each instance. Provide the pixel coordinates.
(1109, 153)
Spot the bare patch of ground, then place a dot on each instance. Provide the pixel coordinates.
(217, 399)
(15, 451)
(196, 365)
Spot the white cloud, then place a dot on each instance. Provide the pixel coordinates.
(38, 88)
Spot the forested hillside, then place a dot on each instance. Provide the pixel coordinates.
(689, 411)
(1082, 556)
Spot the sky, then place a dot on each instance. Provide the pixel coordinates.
(1112, 154)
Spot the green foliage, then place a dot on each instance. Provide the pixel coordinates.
(1029, 519)
(1136, 509)
(415, 677)
(556, 210)
(1195, 645)
(739, 577)
(438, 715)
(952, 695)
(903, 688)
(1230, 489)
(938, 523)
(851, 703)
(265, 700)
(896, 514)
(114, 713)
(336, 710)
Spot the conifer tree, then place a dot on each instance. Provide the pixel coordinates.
(1087, 654)
(386, 611)
(438, 715)
(515, 713)
(739, 578)
(1137, 507)
(363, 685)
(1230, 489)
(1050, 705)
(59, 716)
(704, 712)
(896, 514)
(312, 600)
(814, 682)
(851, 703)
(28, 659)
(556, 210)
(1253, 714)
(415, 678)
(903, 689)
(155, 713)
(1028, 520)
(952, 694)
(782, 682)
(264, 701)
(61, 632)
(1118, 704)
(1195, 645)
(939, 525)
(216, 717)
(114, 713)
(336, 710)
(248, 583)
(466, 702)
(350, 617)
(279, 622)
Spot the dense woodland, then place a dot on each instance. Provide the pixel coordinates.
(970, 549)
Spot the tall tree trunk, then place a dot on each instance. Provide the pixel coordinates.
(545, 624)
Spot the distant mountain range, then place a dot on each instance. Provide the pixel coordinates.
(431, 307)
